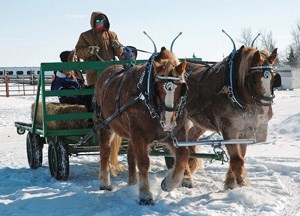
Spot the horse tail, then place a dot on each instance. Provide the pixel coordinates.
(115, 166)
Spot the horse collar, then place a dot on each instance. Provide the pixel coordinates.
(146, 88)
(230, 85)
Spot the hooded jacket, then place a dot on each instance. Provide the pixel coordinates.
(102, 40)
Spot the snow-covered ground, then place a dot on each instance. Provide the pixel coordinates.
(273, 169)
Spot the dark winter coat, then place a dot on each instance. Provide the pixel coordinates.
(61, 82)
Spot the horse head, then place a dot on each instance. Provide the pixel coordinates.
(257, 75)
(170, 87)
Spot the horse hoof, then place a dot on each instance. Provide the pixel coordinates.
(243, 183)
(108, 188)
(164, 185)
(129, 183)
(148, 202)
(230, 186)
(187, 183)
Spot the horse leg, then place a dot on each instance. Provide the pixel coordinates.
(132, 178)
(143, 163)
(175, 177)
(105, 137)
(236, 170)
(194, 163)
(115, 166)
(241, 180)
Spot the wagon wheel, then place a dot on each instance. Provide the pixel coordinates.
(34, 147)
(58, 159)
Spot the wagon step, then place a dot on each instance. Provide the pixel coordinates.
(216, 142)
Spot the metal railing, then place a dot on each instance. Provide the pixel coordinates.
(20, 85)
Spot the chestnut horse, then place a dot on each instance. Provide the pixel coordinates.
(144, 104)
(233, 98)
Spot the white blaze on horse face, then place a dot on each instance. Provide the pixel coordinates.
(169, 102)
(266, 83)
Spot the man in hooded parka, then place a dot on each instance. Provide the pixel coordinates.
(98, 44)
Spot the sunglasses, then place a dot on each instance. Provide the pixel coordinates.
(99, 21)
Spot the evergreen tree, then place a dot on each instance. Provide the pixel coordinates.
(291, 59)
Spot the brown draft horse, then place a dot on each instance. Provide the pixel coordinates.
(234, 98)
(143, 104)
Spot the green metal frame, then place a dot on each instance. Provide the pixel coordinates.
(43, 94)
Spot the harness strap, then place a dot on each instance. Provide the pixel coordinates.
(121, 70)
(118, 112)
(109, 119)
(117, 100)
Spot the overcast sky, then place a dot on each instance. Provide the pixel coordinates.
(35, 31)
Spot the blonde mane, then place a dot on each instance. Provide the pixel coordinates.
(246, 57)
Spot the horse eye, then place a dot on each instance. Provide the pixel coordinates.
(169, 86)
(267, 74)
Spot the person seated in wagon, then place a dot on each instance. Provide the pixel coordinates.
(67, 80)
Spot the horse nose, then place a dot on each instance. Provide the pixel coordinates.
(169, 126)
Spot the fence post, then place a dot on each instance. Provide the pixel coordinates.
(6, 78)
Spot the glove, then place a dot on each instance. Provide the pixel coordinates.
(128, 54)
(116, 44)
(93, 50)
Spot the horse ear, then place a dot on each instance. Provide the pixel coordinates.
(273, 56)
(256, 57)
(156, 66)
(180, 69)
(160, 54)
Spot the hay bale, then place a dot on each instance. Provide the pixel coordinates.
(59, 108)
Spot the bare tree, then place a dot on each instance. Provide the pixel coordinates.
(267, 41)
(296, 41)
(296, 34)
(246, 37)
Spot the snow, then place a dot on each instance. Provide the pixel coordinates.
(273, 169)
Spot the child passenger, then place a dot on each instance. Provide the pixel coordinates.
(66, 80)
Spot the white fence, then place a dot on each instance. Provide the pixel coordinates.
(11, 85)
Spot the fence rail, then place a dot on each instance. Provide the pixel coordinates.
(20, 85)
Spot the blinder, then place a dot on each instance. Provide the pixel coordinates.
(184, 89)
(277, 80)
(266, 73)
(169, 85)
